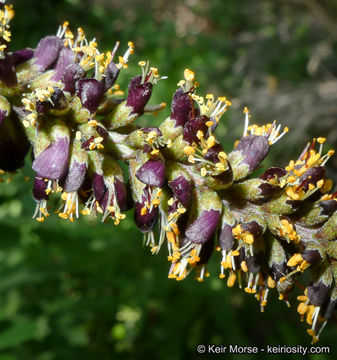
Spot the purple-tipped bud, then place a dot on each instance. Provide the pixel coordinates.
(70, 75)
(75, 176)
(47, 52)
(193, 126)
(182, 190)
(7, 71)
(139, 94)
(147, 221)
(111, 75)
(90, 92)
(21, 56)
(39, 188)
(181, 108)
(201, 229)
(52, 163)
(152, 173)
(67, 57)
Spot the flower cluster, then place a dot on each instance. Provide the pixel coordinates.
(61, 101)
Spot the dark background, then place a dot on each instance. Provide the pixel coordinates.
(89, 290)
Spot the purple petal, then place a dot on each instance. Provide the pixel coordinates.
(328, 309)
(3, 115)
(22, 55)
(272, 172)
(328, 207)
(226, 238)
(313, 256)
(206, 251)
(318, 293)
(90, 92)
(254, 148)
(146, 130)
(70, 75)
(120, 192)
(145, 222)
(252, 227)
(67, 57)
(203, 227)
(111, 75)
(182, 189)
(181, 108)
(75, 176)
(99, 187)
(52, 163)
(138, 95)
(47, 52)
(152, 173)
(311, 176)
(193, 126)
(39, 188)
(7, 71)
(213, 152)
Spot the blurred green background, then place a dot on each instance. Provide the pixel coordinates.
(89, 290)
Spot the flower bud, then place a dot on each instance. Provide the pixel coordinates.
(248, 154)
(66, 58)
(90, 92)
(47, 52)
(152, 173)
(70, 75)
(139, 95)
(21, 56)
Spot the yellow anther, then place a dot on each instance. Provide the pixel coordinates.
(211, 141)
(189, 150)
(321, 140)
(302, 308)
(189, 75)
(295, 260)
(231, 279)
